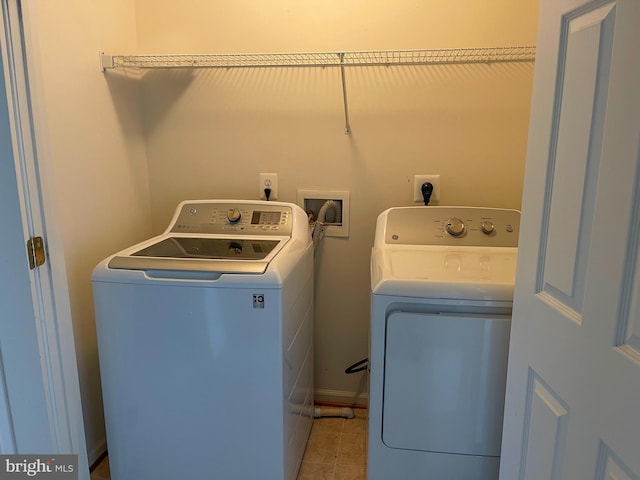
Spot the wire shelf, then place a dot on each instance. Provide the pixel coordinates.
(324, 59)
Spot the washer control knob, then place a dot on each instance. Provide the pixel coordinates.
(233, 215)
(455, 227)
(487, 227)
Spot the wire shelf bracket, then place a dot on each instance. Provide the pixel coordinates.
(324, 59)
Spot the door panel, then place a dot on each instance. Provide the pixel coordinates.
(628, 337)
(611, 467)
(546, 417)
(575, 155)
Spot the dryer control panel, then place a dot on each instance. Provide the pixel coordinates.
(233, 218)
(459, 226)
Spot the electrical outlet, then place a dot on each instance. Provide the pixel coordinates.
(418, 180)
(269, 180)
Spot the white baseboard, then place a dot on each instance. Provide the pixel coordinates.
(98, 449)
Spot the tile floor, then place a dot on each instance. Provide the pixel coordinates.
(337, 450)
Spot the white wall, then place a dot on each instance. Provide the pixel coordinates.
(91, 154)
(210, 132)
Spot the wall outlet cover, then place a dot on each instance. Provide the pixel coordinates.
(269, 180)
(418, 180)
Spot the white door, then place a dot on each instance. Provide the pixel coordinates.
(573, 388)
(21, 375)
(40, 409)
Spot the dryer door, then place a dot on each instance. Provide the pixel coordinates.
(444, 382)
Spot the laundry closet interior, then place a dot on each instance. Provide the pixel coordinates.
(120, 146)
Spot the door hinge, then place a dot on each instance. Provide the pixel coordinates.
(35, 250)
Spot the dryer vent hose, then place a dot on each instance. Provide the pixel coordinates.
(329, 213)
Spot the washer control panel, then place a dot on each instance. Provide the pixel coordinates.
(464, 226)
(234, 218)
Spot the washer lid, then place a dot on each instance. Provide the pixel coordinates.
(201, 254)
(469, 273)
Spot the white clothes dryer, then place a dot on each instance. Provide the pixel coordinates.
(205, 338)
(442, 288)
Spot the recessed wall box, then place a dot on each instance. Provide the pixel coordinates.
(337, 224)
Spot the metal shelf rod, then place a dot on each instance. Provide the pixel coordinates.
(347, 125)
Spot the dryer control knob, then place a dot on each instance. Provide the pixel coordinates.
(455, 227)
(234, 215)
(487, 227)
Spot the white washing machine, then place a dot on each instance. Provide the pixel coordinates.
(442, 287)
(205, 345)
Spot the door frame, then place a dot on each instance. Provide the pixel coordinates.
(49, 286)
